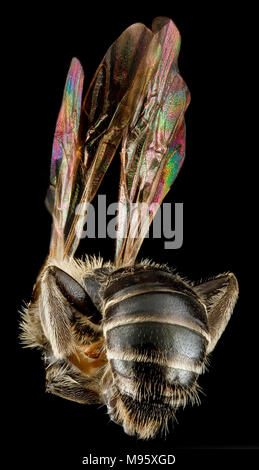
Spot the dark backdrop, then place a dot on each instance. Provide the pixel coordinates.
(217, 225)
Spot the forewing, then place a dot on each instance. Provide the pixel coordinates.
(154, 145)
(85, 142)
(65, 157)
(111, 99)
(108, 108)
(123, 95)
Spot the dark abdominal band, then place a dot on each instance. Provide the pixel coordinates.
(155, 342)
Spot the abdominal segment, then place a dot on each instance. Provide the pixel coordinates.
(156, 345)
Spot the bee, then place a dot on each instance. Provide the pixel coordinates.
(132, 335)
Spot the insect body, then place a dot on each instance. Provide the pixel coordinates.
(132, 335)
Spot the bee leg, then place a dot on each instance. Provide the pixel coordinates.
(219, 295)
(64, 381)
(59, 292)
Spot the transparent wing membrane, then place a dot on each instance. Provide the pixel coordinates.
(153, 146)
(136, 98)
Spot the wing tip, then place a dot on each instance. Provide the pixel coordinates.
(76, 67)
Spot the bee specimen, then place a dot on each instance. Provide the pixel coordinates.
(132, 335)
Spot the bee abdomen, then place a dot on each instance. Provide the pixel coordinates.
(156, 332)
(163, 306)
(141, 352)
(160, 323)
(156, 337)
(154, 383)
(155, 340)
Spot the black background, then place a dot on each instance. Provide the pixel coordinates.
(214, 185)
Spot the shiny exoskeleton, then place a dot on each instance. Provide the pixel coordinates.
(156, 334)
(137, 338)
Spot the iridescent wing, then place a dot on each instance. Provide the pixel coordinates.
(153, 146)
(86, 140)
(65, 157)
(107, 110)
